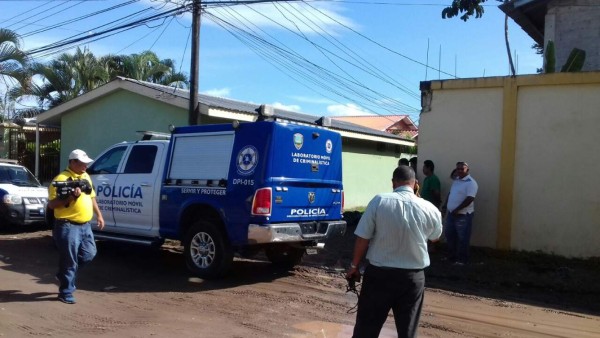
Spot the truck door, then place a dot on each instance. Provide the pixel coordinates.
(104, 174)
(137, 187)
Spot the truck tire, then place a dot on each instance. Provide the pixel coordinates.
(208, 253)
(285, 255)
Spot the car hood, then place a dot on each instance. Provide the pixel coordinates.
(25, 191)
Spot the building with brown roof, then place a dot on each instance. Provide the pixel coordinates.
(400, 125)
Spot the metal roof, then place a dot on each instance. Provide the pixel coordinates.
(530, 15)
(224, 108)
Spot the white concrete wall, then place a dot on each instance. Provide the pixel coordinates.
(463, 125)
(553, 204)
(557, 186)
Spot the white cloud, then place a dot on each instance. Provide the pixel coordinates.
(313, 100)
(218, 92)
(348, 109)
(324, 18)
(291, 107)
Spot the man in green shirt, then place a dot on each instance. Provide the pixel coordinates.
(430, 190)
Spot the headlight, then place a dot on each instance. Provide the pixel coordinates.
(12, 199)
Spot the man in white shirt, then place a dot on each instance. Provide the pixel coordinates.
(460, 206)
(393, 232)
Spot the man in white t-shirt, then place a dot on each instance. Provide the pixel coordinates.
(460, 207)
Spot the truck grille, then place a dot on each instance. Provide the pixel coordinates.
(35, 200)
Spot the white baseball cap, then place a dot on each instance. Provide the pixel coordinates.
(80, 155)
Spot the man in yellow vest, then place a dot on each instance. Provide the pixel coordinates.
(73, 200)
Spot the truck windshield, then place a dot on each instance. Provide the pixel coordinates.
(18, 176)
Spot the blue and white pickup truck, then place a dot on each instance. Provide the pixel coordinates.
(226, 188)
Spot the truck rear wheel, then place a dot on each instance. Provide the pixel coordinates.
(285, 255)
(208, 253)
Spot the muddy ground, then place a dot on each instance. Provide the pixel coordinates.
(139, 292)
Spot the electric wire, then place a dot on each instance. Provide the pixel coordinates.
(374, 71)
(73, 40)
(298, 65)
(344, 82)
(354, 80)
(79, 18)
(26, 12)
(57, 10)
(342, 86)
(304, 76)
(379, 44)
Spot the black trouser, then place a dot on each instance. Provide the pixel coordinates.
(388, 288)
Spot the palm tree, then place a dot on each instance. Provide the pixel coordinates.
(145, 66)
(69, 76)
(13, 60)
(63, 79)
(170, 78)
(13, 73)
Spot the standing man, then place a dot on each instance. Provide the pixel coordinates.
(461, 208)
(73, 208)
(393, 232)
(431, 184)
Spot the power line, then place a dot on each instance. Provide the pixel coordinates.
(344, 83)
(341, 84)
(308, 70)
(60, 24)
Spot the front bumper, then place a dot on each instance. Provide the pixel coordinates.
(295, 232)
(24, 213)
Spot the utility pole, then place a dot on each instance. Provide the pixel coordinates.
(194, 111)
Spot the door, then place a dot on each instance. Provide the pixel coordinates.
(135, 190)
(104, 174)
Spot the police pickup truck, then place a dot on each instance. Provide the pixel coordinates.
(225, 189)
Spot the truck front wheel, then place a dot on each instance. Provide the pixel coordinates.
(208, 253)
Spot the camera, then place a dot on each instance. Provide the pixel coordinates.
(66, 188)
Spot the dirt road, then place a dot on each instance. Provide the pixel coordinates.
(138, 292)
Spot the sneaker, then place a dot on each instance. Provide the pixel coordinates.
(67, 299)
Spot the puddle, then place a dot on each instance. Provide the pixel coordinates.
(333, 330)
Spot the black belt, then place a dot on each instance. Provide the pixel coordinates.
(395, 269)
(62, 221)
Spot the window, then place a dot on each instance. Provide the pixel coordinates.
(205, 156)
(109, 162)
(141, 159)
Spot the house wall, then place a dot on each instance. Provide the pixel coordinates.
(557, 189)
(531, 143)
(117, 116)
(367, 171)
(574, 24)
(463, 126)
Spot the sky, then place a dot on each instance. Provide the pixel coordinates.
(319, 57)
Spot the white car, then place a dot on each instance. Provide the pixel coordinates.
(22, 198)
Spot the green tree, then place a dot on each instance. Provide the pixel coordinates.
(64, 78)
(71, 75)
(145, 66)
(468, 7)
(13, 70)
(475, 7)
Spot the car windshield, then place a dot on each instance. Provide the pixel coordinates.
(18, 176)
